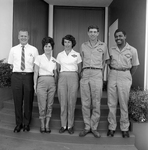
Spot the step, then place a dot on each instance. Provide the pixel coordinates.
(103, 99)
(6, 129)
(55, 123)
(56, 108)
(34, 140)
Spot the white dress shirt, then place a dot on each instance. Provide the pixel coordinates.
(15, 57)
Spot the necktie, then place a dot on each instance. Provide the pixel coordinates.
(23, 59)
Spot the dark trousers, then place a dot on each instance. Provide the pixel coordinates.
(23, 95)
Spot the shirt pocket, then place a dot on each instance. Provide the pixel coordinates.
(74, 58)
(127, 59)
(97, 54)
(30, 58)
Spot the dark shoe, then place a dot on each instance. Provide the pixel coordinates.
(47, 130)
(18, 128)
(84, 133)
(62, 130)
(111, 133)
(42, 130)
(71, 130)
(26, 128)
(125, 134)
(96, 133)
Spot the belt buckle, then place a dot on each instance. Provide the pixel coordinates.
(23, 73)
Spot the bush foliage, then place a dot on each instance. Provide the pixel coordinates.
(138, 105)
(5, 75)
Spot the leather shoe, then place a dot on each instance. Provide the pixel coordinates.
(71, 130)
(84, 133)
(18, 128)
(125, 134)
(96, 133)
(62, 130)
(26, 128)
(111, 133)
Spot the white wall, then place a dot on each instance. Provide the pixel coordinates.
(6, 22)
(146, 51)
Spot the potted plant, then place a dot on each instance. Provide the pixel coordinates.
(138, 114)
(5, 82)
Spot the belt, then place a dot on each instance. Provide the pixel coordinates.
(120, 69)
(45, 75)
(23, 73)
(92, 68)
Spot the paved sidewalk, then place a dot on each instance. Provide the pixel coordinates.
(10, 143)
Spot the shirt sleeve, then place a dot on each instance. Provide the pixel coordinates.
(135, 60)
(37, 60)
(58, 59)
(55, 61)
(10, 57)
(36, 53)
(79, 58)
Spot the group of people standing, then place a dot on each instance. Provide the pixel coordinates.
(64, 75)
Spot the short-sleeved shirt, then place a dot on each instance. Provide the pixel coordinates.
(46, 66)
(125, 58)
(94, 56)
(69, 62)
(15, 57)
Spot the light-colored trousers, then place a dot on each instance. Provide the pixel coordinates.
(119, 84)
(67, 94)
(45, 95)
(91, 93)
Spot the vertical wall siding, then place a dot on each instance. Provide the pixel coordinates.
(31, 15)
(132, 15)
(75, 21)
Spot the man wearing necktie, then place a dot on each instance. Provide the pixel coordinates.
(22, 57)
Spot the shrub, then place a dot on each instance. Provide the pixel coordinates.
(5, 75)
(138, 105)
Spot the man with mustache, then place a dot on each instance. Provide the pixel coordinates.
(123, 64)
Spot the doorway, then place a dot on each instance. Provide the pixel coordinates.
(75, 21)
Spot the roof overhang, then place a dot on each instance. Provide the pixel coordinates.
(86, 3)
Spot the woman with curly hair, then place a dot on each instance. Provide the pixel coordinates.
(69, 67)
(45, 83)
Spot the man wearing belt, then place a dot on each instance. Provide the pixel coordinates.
(94, 54)
(21, 58)
(123, 64)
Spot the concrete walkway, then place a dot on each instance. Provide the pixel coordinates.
(12, 143)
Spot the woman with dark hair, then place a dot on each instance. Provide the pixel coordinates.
(45, 83)
(69, 68)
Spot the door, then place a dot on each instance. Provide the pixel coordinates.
(112, 30)
(75, 21)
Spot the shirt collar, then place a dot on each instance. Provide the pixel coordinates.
(127, 46)
(72, 51)
(97, 44)
(24, 45)
(51, 58)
